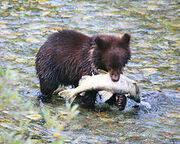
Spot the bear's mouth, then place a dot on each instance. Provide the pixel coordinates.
(115, 78)
(115, 74)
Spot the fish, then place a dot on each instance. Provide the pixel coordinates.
(103, 82)
(103, 96)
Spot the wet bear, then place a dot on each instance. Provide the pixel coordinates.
(67, 55)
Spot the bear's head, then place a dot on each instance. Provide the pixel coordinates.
(111, 53)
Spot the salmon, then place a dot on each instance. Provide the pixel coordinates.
(103, 82)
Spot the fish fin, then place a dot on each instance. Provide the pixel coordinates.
(105, 95)
(83, 79)
(68, 94)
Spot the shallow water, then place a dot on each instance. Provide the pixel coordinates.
(154, 27)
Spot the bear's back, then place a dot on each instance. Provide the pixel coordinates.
(66, 40)
(64, 57)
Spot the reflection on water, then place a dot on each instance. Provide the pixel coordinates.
(24, 26)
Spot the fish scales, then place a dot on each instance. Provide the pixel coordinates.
(103, 82)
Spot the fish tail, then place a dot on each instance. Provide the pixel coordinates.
(68, 94)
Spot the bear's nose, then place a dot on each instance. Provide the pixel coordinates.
(115, 78)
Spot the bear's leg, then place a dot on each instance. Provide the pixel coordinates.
(119, 100)
(89, 98)
(47, 88)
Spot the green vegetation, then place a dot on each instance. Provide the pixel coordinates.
(16, 116)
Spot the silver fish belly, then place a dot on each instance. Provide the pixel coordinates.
(103, 82)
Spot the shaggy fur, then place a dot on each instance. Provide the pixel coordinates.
(68, 55)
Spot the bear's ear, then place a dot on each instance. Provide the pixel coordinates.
(100, 42)
(126, 38)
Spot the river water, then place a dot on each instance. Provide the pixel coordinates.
(154, 27)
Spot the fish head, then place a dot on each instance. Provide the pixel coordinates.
(135, 94)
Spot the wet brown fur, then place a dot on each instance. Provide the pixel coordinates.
(68, 55)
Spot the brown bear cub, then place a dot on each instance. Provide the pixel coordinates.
(67, 55)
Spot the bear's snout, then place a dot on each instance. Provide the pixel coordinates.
(115, 74)
(115, 78)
